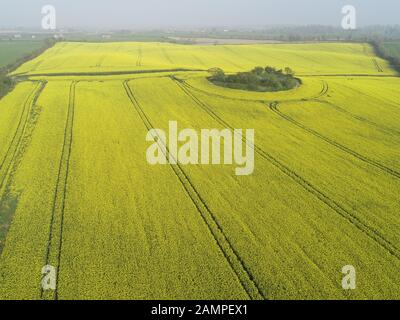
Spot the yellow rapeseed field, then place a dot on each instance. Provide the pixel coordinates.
(78, 194)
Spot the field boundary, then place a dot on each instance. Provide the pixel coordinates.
(372, 75)
(104, 73)
(233, 258)
(6, 70)
(379, 50)
(336, 207)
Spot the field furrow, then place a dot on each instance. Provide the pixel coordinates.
(376, 103)
(360, 118)
(268, 192)
(54, 246)
(11, 160)
(102, 186)
(275, 108)
(149, 234)
(32, 186)
(231, 255)
(338, 208)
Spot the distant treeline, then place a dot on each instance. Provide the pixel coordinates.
(6, 82)
(272, 33)
(300, 33)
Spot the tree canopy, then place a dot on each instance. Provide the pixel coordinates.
(260, 79)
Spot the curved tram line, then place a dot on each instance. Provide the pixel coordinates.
(320, 94)
(324, 91)
(274, 107)
(357, 117)
(320, 195)
(233, 258)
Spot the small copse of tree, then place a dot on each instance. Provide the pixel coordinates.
(260, 79)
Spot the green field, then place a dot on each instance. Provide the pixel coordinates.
(392, 48)
(77, 192)
(10, 51)
(391, 51)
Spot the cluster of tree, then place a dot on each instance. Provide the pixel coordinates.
(259, 79)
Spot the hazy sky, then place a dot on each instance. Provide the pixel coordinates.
(191, 13)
